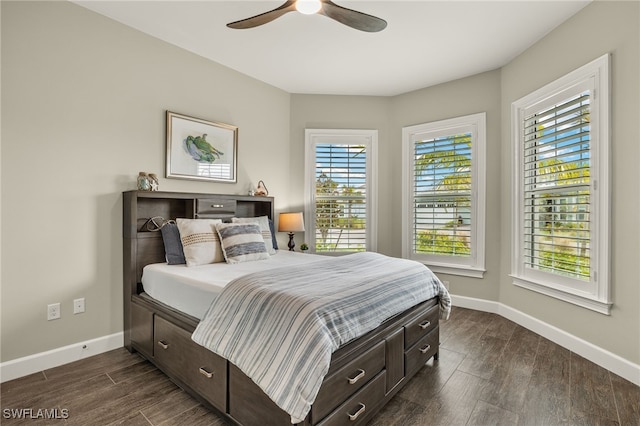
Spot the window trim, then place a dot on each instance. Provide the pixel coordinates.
(371, 136)
(598, 295)
(474, 265)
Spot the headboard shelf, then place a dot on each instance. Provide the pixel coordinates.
(142, 246)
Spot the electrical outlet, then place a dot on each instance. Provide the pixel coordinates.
(78, 305)
(53, 311)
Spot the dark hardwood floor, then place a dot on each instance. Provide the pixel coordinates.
(491, 372)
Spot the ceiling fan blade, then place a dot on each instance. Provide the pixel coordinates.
(354, 19)
(254, 21)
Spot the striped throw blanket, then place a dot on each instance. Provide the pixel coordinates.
(280, 326)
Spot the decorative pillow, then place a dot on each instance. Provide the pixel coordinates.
(274, 242)
(200, 241)
(242, 242)
(267, 234)
(172, 244)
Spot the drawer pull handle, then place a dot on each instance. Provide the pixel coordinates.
(205, 373)
(217, 206)
(352, 417)
(425, 324)
(425, 349)
(358, 377)
(163, 344)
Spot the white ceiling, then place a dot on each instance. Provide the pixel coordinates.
(425, 42)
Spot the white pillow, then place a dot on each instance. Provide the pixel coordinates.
(242, 242)
(263, 221)
(200, 241)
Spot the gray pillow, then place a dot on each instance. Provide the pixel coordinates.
(265, 228)
(274, 242)
(242, 242)
(172, 245)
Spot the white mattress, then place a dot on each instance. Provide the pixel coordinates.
(191, 290)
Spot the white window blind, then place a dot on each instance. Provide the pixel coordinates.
(557, 164)
(560, 220)
(340, 190)
(442, 195)
(341, 197)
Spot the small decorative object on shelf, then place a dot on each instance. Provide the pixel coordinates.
(262, 189)
(153, 182)
(304, 247)
(143, 182)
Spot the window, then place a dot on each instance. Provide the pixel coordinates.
(560, 225)
(339, 189)
(444, 193)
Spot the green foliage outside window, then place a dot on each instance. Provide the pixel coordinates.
(563, 261)
(336, 209)
(561, 217)
(452, 170)
(434, 242)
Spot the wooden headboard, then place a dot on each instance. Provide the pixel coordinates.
(142, 247)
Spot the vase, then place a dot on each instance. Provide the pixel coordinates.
(143, 182)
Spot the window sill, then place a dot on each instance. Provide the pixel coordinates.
(463, 271)
(599, 306)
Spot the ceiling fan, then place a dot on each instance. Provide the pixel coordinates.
(352, 18)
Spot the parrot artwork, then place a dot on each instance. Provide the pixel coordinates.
(201, 150)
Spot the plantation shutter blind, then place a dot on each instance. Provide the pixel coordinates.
(341, 197)
(442, 195)
(557, 200)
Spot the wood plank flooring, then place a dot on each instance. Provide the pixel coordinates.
(491, 372)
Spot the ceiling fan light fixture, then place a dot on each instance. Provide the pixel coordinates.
(308, 7)
(351, 18)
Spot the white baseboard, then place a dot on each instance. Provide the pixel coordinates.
(612, 362)
(475, 304)
(38, 362)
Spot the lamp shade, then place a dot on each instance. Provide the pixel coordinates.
(291, 222)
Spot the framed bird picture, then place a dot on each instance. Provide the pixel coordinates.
(200, 149)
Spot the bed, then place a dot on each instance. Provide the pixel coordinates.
(165, 304)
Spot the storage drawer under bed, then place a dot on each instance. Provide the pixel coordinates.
(359, 408)
(420, 326)
(200, 369)
(417, 355)
(340, 385)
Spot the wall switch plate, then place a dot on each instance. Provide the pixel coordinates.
(78, 305)
(53, 311)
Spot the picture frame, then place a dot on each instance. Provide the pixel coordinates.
(199, 149)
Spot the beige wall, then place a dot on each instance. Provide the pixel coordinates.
(479, 93)
(83, 104)
(388, 115)
(599, 28)
(346, 112)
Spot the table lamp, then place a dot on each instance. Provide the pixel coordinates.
(291, 222)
